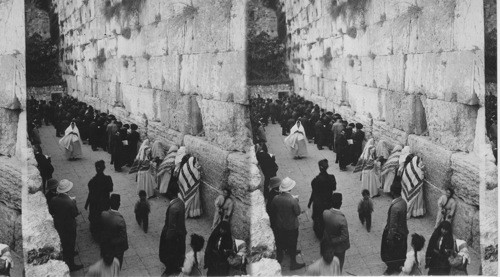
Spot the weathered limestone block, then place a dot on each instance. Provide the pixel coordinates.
(436, 159)
(139, 101)
(244, 175)
(382, 130)
(174, 110)
(261, 234)
(405, 112)
(435, 27)
(379, 39)
(38, 225)
(388, 72)
(265, 267)
(53, 268)
(213, 160)
(159, 130)
(11, 183)
(449, 76)
(452, 125)
(466, 225)
(465, 177)
(226, 124)
(13, 30)
(364, 100)
(170, 72)
(22, 134)
(432, 194)
(215, 76)
(32, 179)
(8, 130)
(9, 233)
(12, 82)
(468, 25)
(489, 228)
(208, 196)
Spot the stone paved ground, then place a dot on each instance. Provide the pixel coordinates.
(141, 259)
(363, 258)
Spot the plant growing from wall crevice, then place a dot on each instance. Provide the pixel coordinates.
(127, 33)
(101, 58)
(188, 13)
(146, 56)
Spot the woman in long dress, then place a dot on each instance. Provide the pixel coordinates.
(390, 169)
(296, 141)
(440, 248)
(166, 168)
(412, 182)
(72, 142)
(189, 185)
(142, 165)
(221, 245)
(366, 164)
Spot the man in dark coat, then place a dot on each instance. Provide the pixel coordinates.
(319, 134)
(114, 235)
(268, 166)
(111, 130)
(118, 152)
(285, 211)
(45, 167)
(52, 185)
(133, 139)
(323, 187)
(394, 245)
(100, 187)
(337, 128)
(64, 211)
(94, 135)
(357, 148)
(173, 235)
(336, 230)
(341, 146)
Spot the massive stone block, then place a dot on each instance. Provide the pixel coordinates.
(226, 124)
(468, 25)
(389, 72)
(38, 225)
(466, 225)
(213, 160)
(51, 268)
(381, 130)
(365, 101)
(448, 76)
(11, 183)
(9, 230)
(434, 26)
(465, 177)
(160, 131)
(436, 159)
(174, 110)
(12, 82)
(244, 175)
(451, 125)
(405, 112)
(214, 76)
(139, 101)
(8, 130)
(260, 231)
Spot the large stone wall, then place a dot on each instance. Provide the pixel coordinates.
(177, 70)
(261, 19)
(33, 228)
(413, 74)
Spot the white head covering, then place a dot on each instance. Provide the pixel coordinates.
(298, 127)
(142, 153)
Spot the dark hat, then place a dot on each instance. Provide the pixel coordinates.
(337, 197)
(274, 182)
(359, 126)
(323, 163)
(352, 125)
(114, 197)
(52, 184)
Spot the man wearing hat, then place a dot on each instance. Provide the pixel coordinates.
(274, 186)
(111, 129)
(323, 187)
(337, 128)
(114, 235)
(267, 163)
(336, 230)
(285, 211)
(63, 208)
(52, 185)
(357, 138)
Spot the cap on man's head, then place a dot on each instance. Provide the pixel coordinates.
(52, 184)
(323, 163)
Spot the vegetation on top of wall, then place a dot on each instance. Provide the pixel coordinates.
(42, 62)
(188, 12)
(266, 58)
(125, 8)
(348, 10)
(352, 32)
(146, 56)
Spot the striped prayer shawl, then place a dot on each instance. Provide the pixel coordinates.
(366, 160)
(141, 162)
(167, 163)
(412, 179)
(189, 185)
(392, 162)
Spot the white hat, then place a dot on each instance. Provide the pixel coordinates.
(287, 184)
(64, 186)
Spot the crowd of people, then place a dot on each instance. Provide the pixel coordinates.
(161, 170)
(383, 166)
